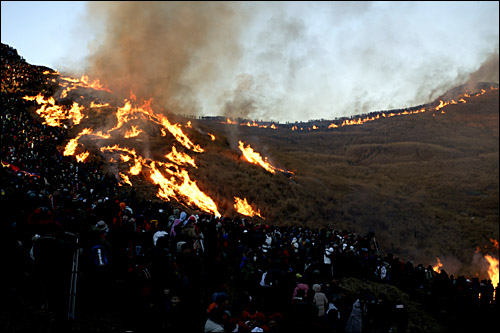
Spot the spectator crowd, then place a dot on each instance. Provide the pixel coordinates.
(163, 268)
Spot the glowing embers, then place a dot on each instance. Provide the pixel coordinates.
(255, 158)
(244, 208)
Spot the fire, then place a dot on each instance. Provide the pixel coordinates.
(212, 137)
(94, 105)
(180, 158)
(493, 269)
(437, 267)
(83, 82)
(187, 190)
(71, 147)
(255, 158)
(54, 114)
(179, 134)
(229, 121)
(125, 179)
(242, 207)
(134, 131)
(82, 157)
(73, 143)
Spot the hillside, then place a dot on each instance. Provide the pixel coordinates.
(426, 184)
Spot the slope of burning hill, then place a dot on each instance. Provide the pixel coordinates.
(427, 183)
(426, 180)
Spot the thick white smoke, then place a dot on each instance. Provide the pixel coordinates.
(288, 61)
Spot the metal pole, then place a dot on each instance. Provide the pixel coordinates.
(72, 288)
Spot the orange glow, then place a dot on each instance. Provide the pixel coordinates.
(82, 157)
(212, 137)
(180, 158)
(493, 269)
(495, 243)
(178, 134)
(134, 131)
(242, 207)
(71, 147)
(437, 267)
(125, 179)
(54, 114)
(229, 121)
(254, 157)
(332, 125)
(83, 82)
(94, 105)
(73, 143)
(187, 190)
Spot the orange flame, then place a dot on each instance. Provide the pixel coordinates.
(493, 269)
(212, 137)
(180, 157)
(187, 190)
(437, 267)
(134, 131)
(125, 179)
(82, 157)
(242, 207)
(54, 114)
(255, 158)
(94, 105)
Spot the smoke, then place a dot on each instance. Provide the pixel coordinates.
(289, 61)
(488, 72)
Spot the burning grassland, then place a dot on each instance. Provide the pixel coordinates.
(409, 177)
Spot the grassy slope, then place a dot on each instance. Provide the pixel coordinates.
(427, 185)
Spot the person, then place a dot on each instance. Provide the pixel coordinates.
(355, 322)
(321, 301)
(400, 317)
(215, 320)
(327, 261)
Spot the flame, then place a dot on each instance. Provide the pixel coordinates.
(242, 207)
(437, 267)
(82, 157)
(71, 147)
(254, 157)
(212, 137)
(54, 114)
(495, 243)
(83, 82)
(134, 131)
(187, 190)
(493, 269)
(229, 121)
(125, 179)
(94, 105)
(178, 134)
(180, 158)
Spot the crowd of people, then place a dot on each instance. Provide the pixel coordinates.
(166, 268)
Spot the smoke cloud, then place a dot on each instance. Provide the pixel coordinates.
(288, 61)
